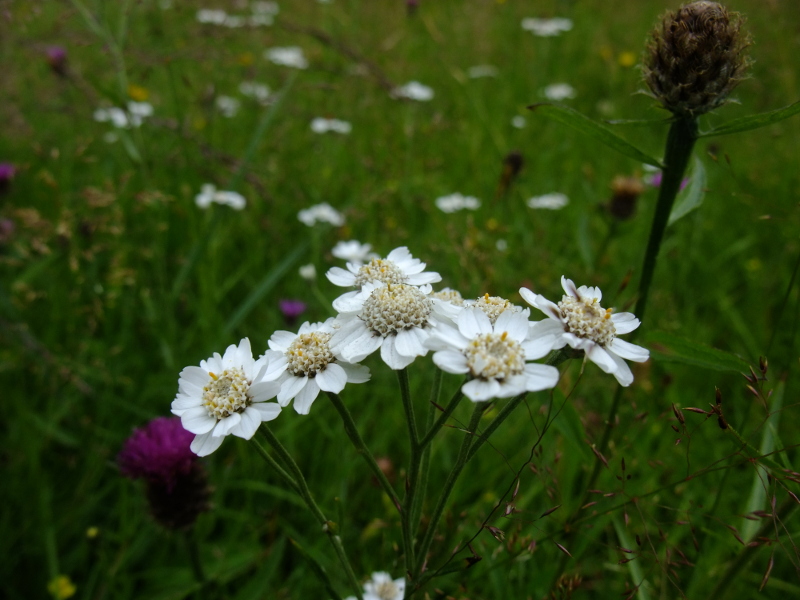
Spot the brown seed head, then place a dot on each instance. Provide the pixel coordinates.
(696, 57)
(625, 191)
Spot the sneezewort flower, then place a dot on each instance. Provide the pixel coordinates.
(559, 91)
(381, 586)
(552, 201)
(456, 202)
(414, 90)
(353, 251)
(303, 364)
(209, 194)
(547, 27)
(399, 266)
(696, 58)
(397, 318)
(494, 306)
(494, 356)
(580, 322)
(321, 213)
(288, 56)
(225, 394)
(322, 125)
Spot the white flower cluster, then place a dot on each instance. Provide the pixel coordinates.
(287, 56)
(552, 201)
(209, 195)
(393, 309)
(322, 125)
(123, 119)
(321, 213)
(559, 91)
(381, 586)
(547, 27)
(456, 202)
(414, 90)
(262, 13)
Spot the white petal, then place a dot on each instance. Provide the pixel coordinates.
(194, 376)
(264, 390)
(355, 373)
(423, 278)
(290, 388)
(446, 337)
(399, 255)
(267, 410)
(451, 361)
(349, 302)
(473, 322)
(624, 322)
(540, 377)
(205, 444)
(410, 342)
(354, 342)
(539, 347)
(545, 328)
(340, 277)
(306, 397)
(623, 371)
(281, 340)
(244, 356)
(569, 287)
(598, 355)
(183, 402)
(516, 324)
(479, 390)
(331, 379)
(197, 420)
(229, 359)
(629, 351)
(276, 367)
(225, 425)
(250, 421)
(392, 357)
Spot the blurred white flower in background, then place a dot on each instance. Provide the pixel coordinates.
(308, 272)
(559, 91)
(414, 90)
(381, 586)
(321, 213)
(519, 122)
(321, 125)
(479, 71)
(547, 27)
(287, 56)
(553, 201)
(214, 17)
(456, 202)
(227, 106)
(209, 195)
(353, 251)
(121, 118)
(258, 91)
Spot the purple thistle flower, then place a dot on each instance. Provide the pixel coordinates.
(655, 180)
(57, 59)
(158, 452)
(291, 309)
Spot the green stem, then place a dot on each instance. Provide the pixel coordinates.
(287, 479)
(416, 510)
(413, 470)
(753, 452)
(361, 447)
(448, 411)
(197, 564)
(327, 526)
(680, 141)
(449, 484)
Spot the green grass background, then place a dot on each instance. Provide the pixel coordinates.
(114, 281)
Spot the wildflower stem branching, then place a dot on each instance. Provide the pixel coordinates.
(413, 469)
(416, 509)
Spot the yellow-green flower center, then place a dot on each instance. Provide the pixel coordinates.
(493, 306)
(494, 356)
(309, 353)
(587, 319)
(226, 393)
(379, 269)
(393, 308)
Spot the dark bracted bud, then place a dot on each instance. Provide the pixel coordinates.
(625, 191)
(696, 57)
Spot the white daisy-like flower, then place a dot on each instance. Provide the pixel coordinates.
(382, 587)
(308, 272)
(456, 202)
(580, 322)
(353, 251)
(479, 71)
(553, 201)
(494, 356)
(211, 195)
(228, 106)
(519, 122)
(225, 394)
(399, 266)
(414, 90)
(494, 306)
(559, 91)
(214, 17)
(547, 27)
(288, 56)
(397, 318)
(303, 364)
(258, 91)
(322, 125)
(265, 7)
(321, 213)
(454, 297)
(234, 21)
(121, 118)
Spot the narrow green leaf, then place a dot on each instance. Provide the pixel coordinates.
(266, 285)
(572, 118)
(672, 348)
(691, 197)
(755, 121)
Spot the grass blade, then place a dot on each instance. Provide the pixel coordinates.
(755, 121)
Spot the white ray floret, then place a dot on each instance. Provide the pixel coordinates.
(303, 365)
(398, 267)
(495, 356)
(381, 586)
(580, 322)
(225, 394)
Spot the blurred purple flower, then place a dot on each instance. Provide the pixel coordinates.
(291, 309)
(655, 180)
(7, 171)
(158, 452)
(57, 59)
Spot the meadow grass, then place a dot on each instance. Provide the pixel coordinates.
(113, 281)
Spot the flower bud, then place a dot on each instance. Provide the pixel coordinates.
(696, 57)
(625, 191)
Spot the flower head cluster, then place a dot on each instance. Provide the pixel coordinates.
(225, 394)
(547, 27)
(123, 119)
(456, 202)
(258, 91)
(398, 267)
(227, 106)
(209, 195)
(494, 306)
(288, 56)
(494, 356)
(353, 251)
(580, 322)
(322, 125)
(559, 91)
(321, 213)
(552, 201)
(381, 586)
(414, 90)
